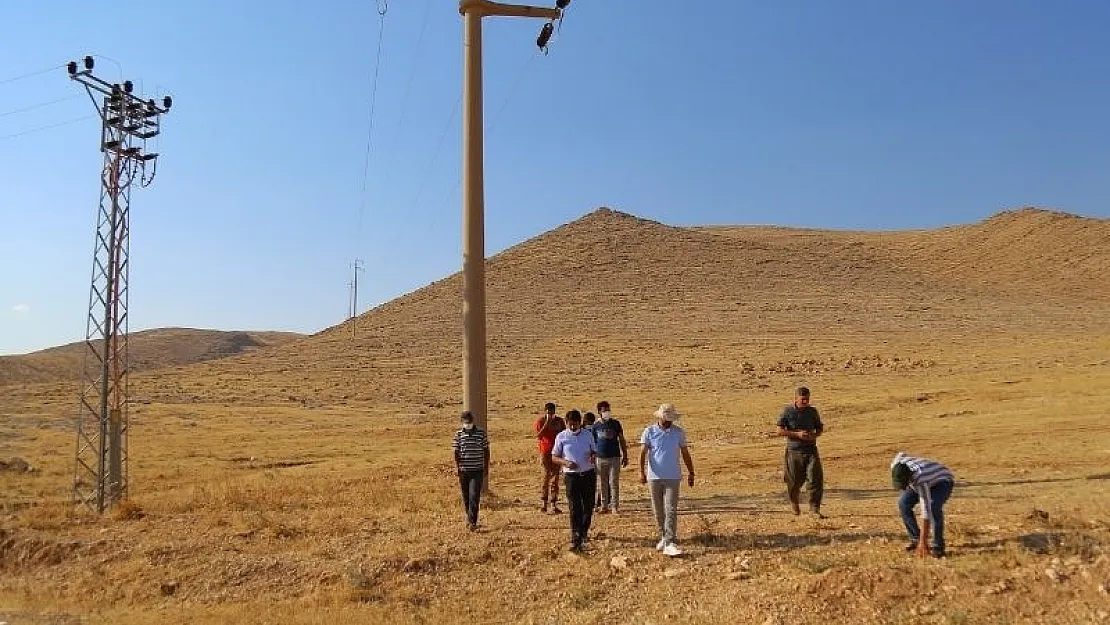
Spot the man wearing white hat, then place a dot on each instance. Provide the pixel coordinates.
(661, 445)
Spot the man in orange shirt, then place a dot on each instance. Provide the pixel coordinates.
(547, 427)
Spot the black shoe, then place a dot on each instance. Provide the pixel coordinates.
(910, 548)
(938, 553)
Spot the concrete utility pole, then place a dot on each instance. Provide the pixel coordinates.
(474, 235)
(352, 304)
(127, 123)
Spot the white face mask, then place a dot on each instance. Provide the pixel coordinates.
(468, 426)
(605, 416)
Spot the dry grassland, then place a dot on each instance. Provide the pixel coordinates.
(312, 482)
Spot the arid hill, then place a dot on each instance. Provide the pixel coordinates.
(148, 349)
(312, 481)
(1028, 252)
(615, 300)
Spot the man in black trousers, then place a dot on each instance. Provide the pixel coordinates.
(472, 462)
(576, 451)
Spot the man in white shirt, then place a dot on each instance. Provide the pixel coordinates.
(576, 451)
(662, 444)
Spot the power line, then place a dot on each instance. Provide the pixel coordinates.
(37, 106)
(47, 70)
(390, 163)
(47, 127)
(32, 74)
(515, 85)
(497, 116)
(383, 8)
(435, 155)
(412, 70)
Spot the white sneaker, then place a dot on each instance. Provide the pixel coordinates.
(662, 544)
(672, 550)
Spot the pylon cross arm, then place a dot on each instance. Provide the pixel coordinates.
(486, 7)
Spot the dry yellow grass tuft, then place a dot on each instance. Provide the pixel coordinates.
(313, 482)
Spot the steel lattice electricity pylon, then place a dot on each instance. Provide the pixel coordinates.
(127, 123)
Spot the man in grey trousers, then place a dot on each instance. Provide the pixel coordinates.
(662, 444)
(612, 455)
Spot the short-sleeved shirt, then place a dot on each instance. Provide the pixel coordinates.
(471, 448)
(608, 432)
(794, 418)
(663, 451)
(578, 447)
(924, 475)
(546, 432)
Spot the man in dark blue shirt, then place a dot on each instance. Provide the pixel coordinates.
(612, 454)
(801, 425)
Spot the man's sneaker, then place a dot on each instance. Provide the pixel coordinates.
(938, 553)
(816, 512)
(672, 550)
(910, 548)
(797, 509)
(662, 544)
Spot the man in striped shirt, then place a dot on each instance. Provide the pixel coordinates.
(929, 482)
(472, 463)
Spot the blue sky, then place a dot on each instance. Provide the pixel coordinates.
(861, 114)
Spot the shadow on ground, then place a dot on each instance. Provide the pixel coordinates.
(1044, 543)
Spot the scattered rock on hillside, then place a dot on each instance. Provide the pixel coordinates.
(420, 565)
(17, 465)
(570, 556)
(999, 588)
(674, 572)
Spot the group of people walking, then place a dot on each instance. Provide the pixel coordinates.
(589, 451)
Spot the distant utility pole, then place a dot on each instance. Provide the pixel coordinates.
(127, 122)
(474, 235)
(352, 308)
